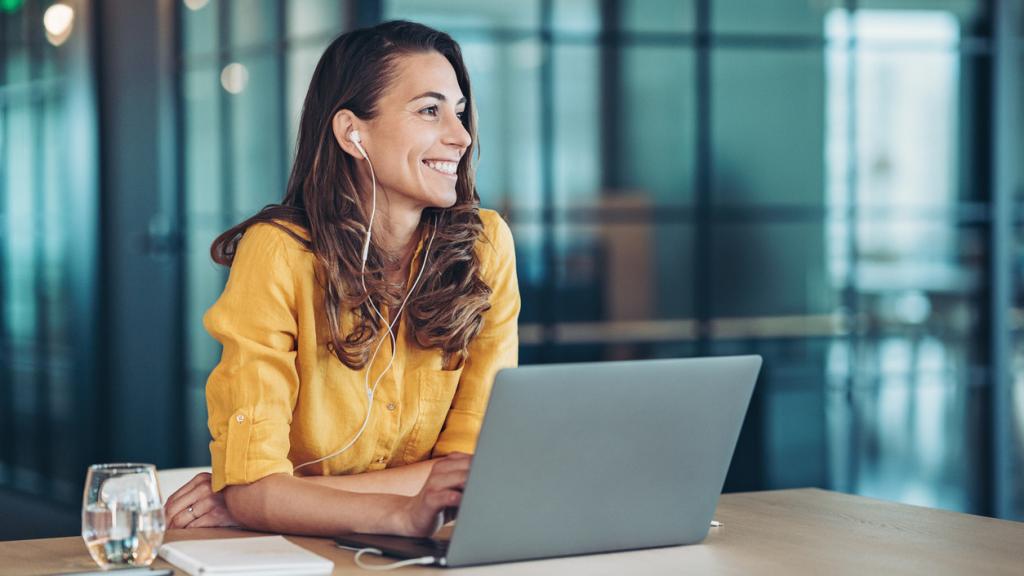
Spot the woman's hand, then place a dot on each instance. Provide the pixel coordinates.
(196, 505)
(439, 498)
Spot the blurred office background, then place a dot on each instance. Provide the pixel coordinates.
(832, 184)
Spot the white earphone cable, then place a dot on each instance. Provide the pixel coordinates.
(423, 560)
(389, 325)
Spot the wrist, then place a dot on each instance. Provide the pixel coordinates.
(396, 517)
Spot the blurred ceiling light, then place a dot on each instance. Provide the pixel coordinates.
(57, 21)
(234, 77)
(196, 4)
(10, 5)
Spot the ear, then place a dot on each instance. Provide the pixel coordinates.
(343, 124)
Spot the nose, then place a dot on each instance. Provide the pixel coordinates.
(456, 134)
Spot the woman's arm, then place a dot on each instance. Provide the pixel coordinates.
(286, 504)
(405, 480)
(196, 505)
(392, 501)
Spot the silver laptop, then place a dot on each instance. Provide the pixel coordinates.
(587, 458)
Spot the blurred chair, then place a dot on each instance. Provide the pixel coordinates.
(173, 478)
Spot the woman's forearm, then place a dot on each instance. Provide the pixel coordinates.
(403, 480)
(286, 504)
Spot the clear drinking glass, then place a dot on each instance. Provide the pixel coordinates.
(122, 515)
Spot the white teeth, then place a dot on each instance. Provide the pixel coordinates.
(444, 167)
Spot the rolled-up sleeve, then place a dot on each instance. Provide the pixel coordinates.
(251, 393)
(494, 348)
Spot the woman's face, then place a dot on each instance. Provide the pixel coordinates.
(417, 138)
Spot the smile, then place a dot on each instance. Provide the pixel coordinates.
(446, 168)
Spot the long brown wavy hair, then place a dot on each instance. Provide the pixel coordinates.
(323, 197)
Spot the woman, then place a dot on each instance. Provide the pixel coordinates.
(325, 417)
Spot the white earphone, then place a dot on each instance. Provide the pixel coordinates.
(356, 139)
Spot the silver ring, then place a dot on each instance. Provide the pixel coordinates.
(192, 513)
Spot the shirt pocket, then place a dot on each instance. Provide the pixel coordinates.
(436, 392)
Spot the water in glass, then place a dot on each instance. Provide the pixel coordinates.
(122, 516)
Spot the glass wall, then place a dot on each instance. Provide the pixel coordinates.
(802, 180)
(909, 169)
(48, 251)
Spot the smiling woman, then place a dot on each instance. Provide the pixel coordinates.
(366, 314)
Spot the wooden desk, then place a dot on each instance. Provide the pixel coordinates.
(786, 532)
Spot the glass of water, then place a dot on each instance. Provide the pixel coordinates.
(122, 515)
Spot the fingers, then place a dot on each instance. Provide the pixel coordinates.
(218, 517)
(451, 471)
(443, 489)
(197, 494)
(447, 480)
(454, 461)
(450, 514)
(184, 518)
(441, 499)
(205, 512)
(201, 508)
(196, 481)
(181, 519)
(186, 496)
(440, 496)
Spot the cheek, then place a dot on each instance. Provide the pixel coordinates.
(401, 155)
(397, 165)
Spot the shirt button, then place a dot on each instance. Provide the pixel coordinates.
(391, 406)
(240, 418)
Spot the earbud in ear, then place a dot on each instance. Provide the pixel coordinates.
(356, 139)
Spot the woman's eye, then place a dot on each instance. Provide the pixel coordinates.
(433, 110)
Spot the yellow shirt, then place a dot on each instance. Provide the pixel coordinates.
(279, 398)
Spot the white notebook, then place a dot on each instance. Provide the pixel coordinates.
(262, 556)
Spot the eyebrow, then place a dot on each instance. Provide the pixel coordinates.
(437, 95)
